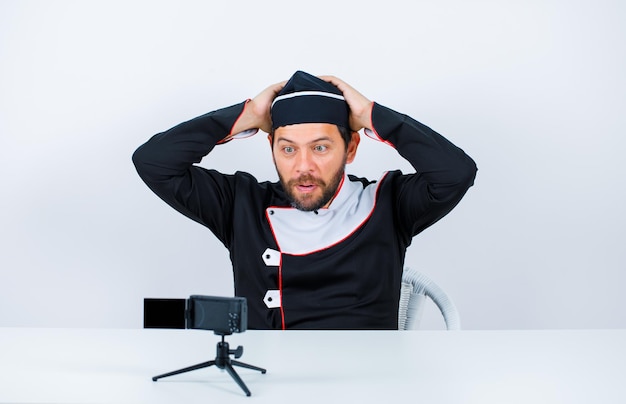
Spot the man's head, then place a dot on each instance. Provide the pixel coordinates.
(311, 140)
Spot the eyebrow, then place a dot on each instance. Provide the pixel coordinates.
(317, 140)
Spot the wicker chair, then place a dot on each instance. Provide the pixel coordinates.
(416, 287)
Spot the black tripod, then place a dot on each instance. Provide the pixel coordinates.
(222, 361)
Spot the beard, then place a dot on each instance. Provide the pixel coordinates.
(309, 202)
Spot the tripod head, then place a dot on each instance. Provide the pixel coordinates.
(223, 350)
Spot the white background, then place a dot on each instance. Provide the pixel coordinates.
(534, 91)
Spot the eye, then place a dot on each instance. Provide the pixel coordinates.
(288, 149)
(320, 148)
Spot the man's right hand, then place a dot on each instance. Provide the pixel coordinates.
(256, 114)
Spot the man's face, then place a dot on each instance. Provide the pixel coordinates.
(310, 159)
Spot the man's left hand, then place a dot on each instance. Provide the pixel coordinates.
(360, 106)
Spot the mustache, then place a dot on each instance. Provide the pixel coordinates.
(307, 179)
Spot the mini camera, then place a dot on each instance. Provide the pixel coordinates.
(223, 315)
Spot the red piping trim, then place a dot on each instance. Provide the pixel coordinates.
(372, 119)
(280, 271)
(280, 289)
(228, 137)
(387, 142)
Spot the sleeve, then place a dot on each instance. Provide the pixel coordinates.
(443, 175)
(166, 163)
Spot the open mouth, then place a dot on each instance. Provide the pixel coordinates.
(305, 184)
(306, 187)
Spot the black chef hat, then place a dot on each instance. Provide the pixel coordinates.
(308, 99)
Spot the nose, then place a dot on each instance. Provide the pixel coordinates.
(304, 161)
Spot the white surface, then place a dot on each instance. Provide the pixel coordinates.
(116, 366)
(533, 90)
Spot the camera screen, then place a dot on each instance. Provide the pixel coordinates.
(164, 313)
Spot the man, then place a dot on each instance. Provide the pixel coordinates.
(318, 249)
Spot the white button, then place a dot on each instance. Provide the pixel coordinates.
(271, 257)
(272, 299)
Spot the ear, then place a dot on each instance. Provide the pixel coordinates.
(271, 139)
(352, 146)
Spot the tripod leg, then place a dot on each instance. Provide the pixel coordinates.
(245, 365)
(187, 369)
(231, 371)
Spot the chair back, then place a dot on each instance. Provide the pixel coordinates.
(416, 287)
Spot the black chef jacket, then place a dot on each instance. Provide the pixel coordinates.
(335, 268)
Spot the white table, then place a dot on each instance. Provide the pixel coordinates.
(116, 366)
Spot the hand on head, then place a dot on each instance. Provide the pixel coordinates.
(360, 106)
(257, 112)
